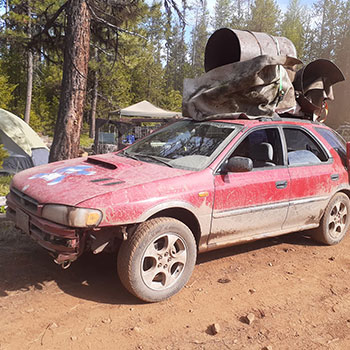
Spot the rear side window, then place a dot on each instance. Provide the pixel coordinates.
(303, 149)
(335, 140)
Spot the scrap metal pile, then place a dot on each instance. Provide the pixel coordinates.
(257, 74)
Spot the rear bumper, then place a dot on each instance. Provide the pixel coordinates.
(63, 243)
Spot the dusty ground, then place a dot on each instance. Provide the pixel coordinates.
(298, 292)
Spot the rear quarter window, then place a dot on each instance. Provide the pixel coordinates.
(335, 141)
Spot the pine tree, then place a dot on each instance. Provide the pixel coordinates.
(328, 29)
(264, 17)
(199, 37)
(6, 89)
(340, 107)
(223, 10)
(18, 23)
(240, 14)
(293, 25)
(177, 65)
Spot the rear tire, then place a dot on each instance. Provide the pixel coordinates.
(335, 221)
(158, 259)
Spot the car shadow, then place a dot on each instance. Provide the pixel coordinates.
(296, 238)
(27, 266)
(95, 278)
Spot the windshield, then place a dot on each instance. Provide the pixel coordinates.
(185, 144)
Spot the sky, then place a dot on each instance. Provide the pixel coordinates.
(283, 4)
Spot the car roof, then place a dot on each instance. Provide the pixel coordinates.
(269, 121)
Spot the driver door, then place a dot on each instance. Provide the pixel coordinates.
(252, 204)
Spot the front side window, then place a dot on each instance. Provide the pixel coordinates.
(302, 148)
(185, 144)
(263, 147)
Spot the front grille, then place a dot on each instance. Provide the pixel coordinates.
(50, 238)
(25, 201)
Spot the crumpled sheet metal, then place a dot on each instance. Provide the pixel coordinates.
(227, 45)
(250, 86)
(314, 84)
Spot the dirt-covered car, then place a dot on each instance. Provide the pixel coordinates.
(187, 188)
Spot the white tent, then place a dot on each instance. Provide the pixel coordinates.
(147, 109)
(23, 144)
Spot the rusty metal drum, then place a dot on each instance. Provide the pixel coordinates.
(231, 45)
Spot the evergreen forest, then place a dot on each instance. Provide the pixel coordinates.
(143, 50)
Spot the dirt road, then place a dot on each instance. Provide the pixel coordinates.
(296, 293)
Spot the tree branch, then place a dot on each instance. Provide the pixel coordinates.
(110, 25)
(48, 25)
(102, 50)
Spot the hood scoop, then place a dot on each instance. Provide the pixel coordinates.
(101, 163)
(103, 181)
(113, 183)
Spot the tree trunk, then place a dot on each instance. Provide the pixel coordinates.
(94, 100)
(322, 28)
(29, 87)
(29, 71)
(73, 88)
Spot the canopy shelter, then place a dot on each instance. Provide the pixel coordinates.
(25, 147)
(132, 123)
(147, 110)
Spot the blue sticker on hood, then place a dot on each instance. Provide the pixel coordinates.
(57, 175)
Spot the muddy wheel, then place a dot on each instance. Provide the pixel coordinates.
(335, 221)
(158, 259)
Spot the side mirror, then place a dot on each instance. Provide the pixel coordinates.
(238, 165)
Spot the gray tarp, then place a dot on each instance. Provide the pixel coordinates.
(16, 163)
(252, 87)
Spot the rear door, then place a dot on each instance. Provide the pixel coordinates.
(313, 175)
(252, 203)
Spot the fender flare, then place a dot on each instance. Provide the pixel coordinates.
(167, 205)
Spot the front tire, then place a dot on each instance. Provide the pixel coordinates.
(158, 259)
(335, 221)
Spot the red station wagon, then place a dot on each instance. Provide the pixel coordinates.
(189, 187)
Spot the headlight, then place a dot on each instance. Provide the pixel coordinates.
(71, 216)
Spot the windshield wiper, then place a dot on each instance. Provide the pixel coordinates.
(157, 159)
(124, 154)
(137, 156)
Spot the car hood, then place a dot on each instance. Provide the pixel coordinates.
(73, 181)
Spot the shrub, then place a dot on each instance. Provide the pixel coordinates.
(3, 154)
(5, 185)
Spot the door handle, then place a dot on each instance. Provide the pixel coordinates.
(281, 184)
(335, 177)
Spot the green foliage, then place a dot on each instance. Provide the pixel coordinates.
(5, 185)
(85, 141)
(46, 92)
(131, 68)
(199, 37)
(173, 101)
(6, 89)
(328, 13)
(3, 154)
(264, 16)
(221, 10)
(293, 25)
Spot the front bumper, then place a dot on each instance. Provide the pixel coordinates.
(65, 244)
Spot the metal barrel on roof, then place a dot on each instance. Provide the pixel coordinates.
(231, 45)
